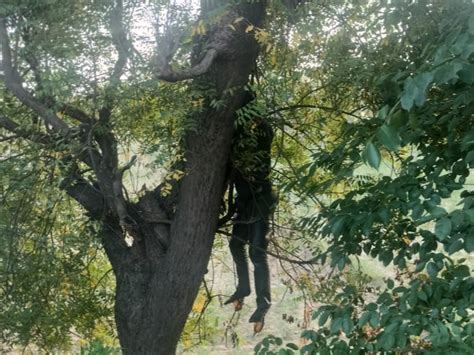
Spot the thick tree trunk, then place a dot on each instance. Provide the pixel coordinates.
(158, 277)
(156, 289)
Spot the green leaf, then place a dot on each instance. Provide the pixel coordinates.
(470, 24)
(383, 112)
(374, 319)
(417, 211)
(422, 296)
(408, 96)
(363, 319)
(338, 225)
(323, 318)
(342, 262)
(469, 244)
(466, 74)
(460, 44)
(336, 325)
(443, 228)
(468, 140)
(432, 269)
(386, 257)
(389, 341)
(438, 212)
(372, 155)
(470, 158)
(469, 215)
(398, 119)
(392, 327)
(384, 215)
(292, 346)
(372, 307)
(420, 266)
(457, 218)
(389, 137)
(456, 246)
(447, 72)
(462, 271)
(414, 90)
(347, 325)
(422, 82)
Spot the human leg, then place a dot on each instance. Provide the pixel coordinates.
(258, 256)
(239, 255)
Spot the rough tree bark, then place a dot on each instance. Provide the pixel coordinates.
(156, 288)
(159, 275)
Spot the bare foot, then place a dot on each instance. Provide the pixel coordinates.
(258, 326)
(238, 304)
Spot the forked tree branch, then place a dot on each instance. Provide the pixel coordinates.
(14, 84)
(70, 110)
(119, 39)
(108, 172)
(107, 169)
(75, 113)
(15, 128)
(76, 186)
(86, 195)
(168, 74)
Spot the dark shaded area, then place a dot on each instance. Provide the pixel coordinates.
(254, 204)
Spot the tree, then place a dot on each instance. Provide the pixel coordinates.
(401, 76)
(52, 76)
(372, 109)
(55, 279)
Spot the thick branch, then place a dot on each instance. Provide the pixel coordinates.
(14, 83)
(33, 62)
(78, 188)
(86, 195)
(110, 178)
(106, 168)
(119, 39)
(75, 113)
(48, 100)
(168, 74)
(13, 127)
(128, 165)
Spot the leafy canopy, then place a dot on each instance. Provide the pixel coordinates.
(372, 105)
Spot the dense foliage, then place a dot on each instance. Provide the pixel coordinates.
(373, 110)
(400, 80)
(56, 283)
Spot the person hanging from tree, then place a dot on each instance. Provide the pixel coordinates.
(254, 203)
